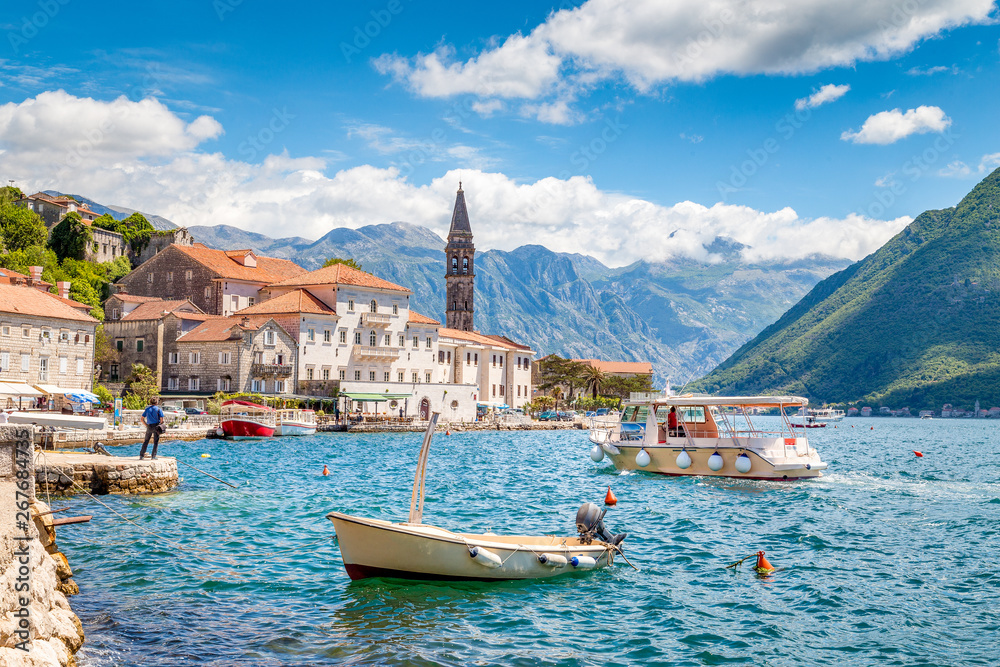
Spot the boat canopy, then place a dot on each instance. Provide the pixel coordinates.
(247, 404)
(726, 401)
(361, 396)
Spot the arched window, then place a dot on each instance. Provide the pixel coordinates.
(465, 265)
(372, 338)
(373, 306)
(454, 265)
(466, 305)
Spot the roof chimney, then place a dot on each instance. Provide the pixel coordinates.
(63, 287)
(246, 322)
(36, 275)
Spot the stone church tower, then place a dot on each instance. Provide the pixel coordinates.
(460, 278)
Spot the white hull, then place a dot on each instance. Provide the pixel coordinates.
(375, 548)
(291, 428)
(58, 420)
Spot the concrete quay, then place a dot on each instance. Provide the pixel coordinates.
(67, 473)
(54, 440)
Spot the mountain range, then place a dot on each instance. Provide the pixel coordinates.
(916, 324)
(684, 316)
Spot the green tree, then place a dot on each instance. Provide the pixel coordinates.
(137, 231)
(554, 371)
(140, 386)
(593, 380)
(70, 238)
(340, 260)
(20, 227)
(109, 222)
(622, 386)
(105, 353)
(10, 194)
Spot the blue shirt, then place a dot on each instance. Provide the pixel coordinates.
(153, 414)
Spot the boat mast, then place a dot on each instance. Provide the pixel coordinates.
(417, 497)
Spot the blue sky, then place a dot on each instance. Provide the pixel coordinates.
(611, 120)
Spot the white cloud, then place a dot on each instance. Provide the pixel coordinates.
(827, 93)
(487, 108)
(649, 42)
(888, 127)
(930, 71)
(286, 196)
(958, 169)
(693, 138)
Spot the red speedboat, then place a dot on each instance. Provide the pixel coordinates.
(243, 420)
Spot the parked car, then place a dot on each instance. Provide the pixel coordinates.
(566, 416)
(172, 411)
(590, 413)
(548, 416)
(602, 411)
(194, 411)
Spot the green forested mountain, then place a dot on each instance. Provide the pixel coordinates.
(917, 323)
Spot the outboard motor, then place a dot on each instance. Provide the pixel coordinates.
(590, 525)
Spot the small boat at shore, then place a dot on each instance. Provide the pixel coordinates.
(819, 416)
(58, 420)
(295, 422)
(715, 436)
(243, 420)
(415, 550)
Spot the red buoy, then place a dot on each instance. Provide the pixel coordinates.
(763, 566)
(919, 454)
(610, 500)
(326, 471)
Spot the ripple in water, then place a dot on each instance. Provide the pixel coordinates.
(885, 560)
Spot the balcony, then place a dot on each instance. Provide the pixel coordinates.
(270, 370)
(376, 353)
(376, 319)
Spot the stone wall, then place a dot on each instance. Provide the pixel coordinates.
(28, 555)
(162, 240)
(107, 246)
(66, 474)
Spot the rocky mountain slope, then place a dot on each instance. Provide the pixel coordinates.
(684, 316)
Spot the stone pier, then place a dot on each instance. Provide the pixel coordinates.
(56, 472)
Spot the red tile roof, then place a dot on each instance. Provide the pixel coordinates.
(339, 274)
(480, 339)
(153, 310)
(13, 277)
(296, 301)
(619, 367)
(134, 298)
(73, 304)
(417, 318)
(30, 301)
(214, 330)
(268, 269)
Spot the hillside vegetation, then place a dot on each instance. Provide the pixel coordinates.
(917, 323)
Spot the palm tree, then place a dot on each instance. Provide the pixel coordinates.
(593, 379)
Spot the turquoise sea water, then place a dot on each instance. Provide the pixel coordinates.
(889, 559)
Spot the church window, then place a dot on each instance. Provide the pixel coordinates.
(454, 265)
(372, 339)
(454, 305)
(466, 305)
(465, 265)
(373, 306)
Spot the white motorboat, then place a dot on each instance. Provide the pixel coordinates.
(824, 416)
(415, 550)
(715, 436)
(295, 422)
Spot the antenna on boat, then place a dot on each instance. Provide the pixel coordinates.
(417, 497)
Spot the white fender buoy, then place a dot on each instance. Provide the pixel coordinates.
(683, 460)
(715, 462)
(642, 458)
(743, 463)
(583, 562)
(485, 557)
(610, 450)
(596, 453)
(553, 560)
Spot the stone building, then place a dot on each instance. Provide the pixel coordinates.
(121, 304)
(218, 282)
(162, 240)
(233, 354)
(105, 246)
(313, 326)
(147, 334)
(460, 276)
(44, 341)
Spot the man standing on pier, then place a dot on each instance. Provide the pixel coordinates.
(152, 417)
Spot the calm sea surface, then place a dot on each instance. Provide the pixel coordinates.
(888, 559)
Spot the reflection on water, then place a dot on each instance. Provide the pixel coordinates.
(873, 558)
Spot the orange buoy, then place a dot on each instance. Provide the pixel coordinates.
(610, 498)
(919, 454)
(763, 566)
(326, 471)
(447, 432)
(873, 428)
